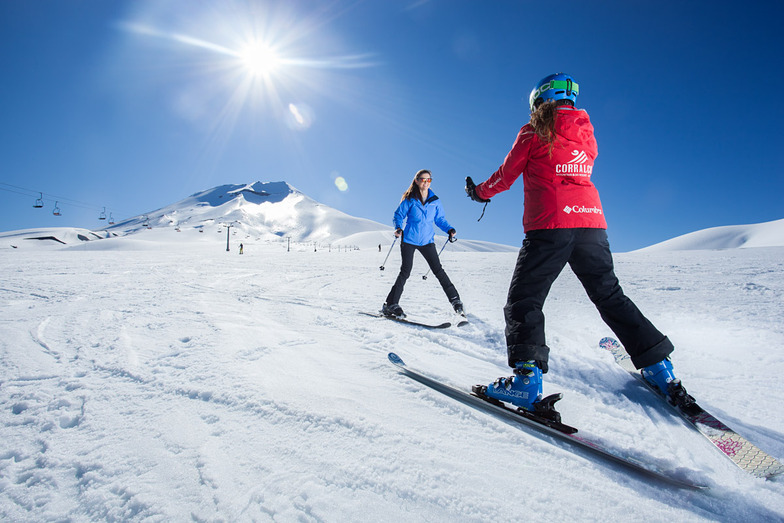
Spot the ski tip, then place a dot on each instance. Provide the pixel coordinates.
(609, 343)
(394, 358)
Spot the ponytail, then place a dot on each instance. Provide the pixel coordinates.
(543, 121)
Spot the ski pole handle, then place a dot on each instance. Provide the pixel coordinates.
(390, 252)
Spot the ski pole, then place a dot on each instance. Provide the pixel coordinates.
(448, 240)
(390, 252)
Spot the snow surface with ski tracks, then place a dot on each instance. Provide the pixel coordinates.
(162, 378)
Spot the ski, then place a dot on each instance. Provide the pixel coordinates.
(572, 438)
(742, 452)
(444, 325)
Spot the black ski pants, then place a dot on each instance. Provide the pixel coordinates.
(431, 257)
(587, 251)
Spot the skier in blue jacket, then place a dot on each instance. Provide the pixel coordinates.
(420, 208)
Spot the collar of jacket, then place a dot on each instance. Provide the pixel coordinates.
(431, 197)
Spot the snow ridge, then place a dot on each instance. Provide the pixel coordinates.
(768, 234)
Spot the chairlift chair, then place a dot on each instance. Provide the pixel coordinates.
(103, 214)
(39, 202)
(56, 210)
(111, 219)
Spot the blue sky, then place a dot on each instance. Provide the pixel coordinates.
(133, 105)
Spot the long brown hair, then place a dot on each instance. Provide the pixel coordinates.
(413, 189)
(543, 121)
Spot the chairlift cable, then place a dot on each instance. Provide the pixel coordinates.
(69, 201)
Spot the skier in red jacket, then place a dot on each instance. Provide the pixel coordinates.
(564, 223)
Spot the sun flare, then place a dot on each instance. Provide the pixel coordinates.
(245, 64)
(259, 59)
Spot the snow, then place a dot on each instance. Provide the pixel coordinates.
(157, 377)
(769, 234)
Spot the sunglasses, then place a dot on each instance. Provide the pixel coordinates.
(424, 179)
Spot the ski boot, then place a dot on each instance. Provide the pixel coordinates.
(662, 378)
(659, 375)
(393, 311)
(524, 390)
(458, 306)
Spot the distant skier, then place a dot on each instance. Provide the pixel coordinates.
(420, 208)
(564, 223)
(241, 247)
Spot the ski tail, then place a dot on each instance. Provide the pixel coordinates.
(444, 325)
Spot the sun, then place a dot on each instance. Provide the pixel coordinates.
(259, 59)
(241, 62)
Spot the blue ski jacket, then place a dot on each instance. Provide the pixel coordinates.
(419, 219)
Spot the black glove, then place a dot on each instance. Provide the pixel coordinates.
(470, 189)
(452, 233)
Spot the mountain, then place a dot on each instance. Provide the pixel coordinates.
(276, 212)
(768, 234)
(258, 212)
(265, 210)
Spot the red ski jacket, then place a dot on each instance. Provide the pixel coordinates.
(558, 189)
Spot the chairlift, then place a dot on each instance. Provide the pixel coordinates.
(103, 214)
(56, 210)
(39, 202)
(111, 219)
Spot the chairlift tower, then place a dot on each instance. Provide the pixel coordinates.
(228, 235)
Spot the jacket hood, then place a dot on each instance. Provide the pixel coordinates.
(573, 124)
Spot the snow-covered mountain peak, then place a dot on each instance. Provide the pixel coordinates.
(264, 210)
(255, 193)
(258, 212)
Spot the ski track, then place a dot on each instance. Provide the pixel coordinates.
(170, 386)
